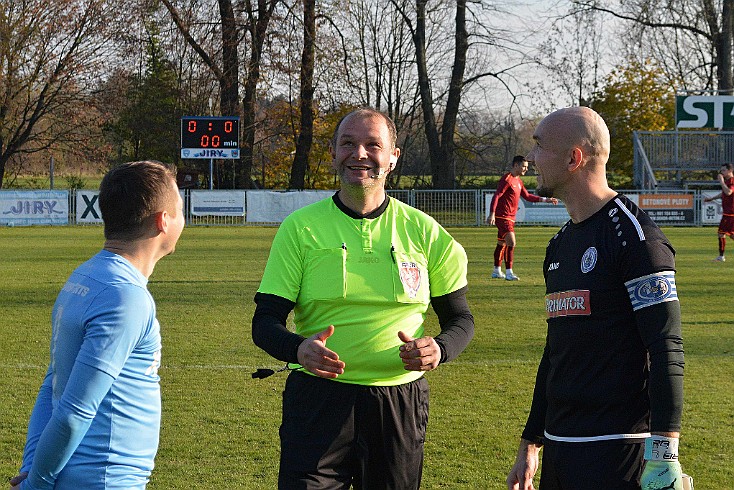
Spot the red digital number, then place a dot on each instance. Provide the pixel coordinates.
(228, 126)
(215, 141)
(192, 127)
(204, 141)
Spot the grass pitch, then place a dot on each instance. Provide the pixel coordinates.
(220, 427)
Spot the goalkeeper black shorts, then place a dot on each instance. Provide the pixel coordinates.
(604, 465)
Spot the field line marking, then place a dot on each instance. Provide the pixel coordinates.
(271, 365)
(277, 365)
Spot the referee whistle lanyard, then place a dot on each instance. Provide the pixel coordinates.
(262, 373)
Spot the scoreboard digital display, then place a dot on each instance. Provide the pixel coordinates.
(210, 137)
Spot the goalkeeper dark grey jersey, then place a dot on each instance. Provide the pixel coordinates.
(612, 367)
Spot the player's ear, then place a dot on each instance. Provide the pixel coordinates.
(161, 221)
(394, 159)
(332, 164)
(576, 157)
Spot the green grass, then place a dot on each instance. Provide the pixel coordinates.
(220, 427)
(64, 182)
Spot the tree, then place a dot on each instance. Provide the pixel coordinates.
(50, 54)
(276, 146)
(227, 68)
(257, 27)
(571, 57)
(224, 65)
(466, 62)
(305, 133)
(636, 96)
(145, 125)
(440, 145)
(691, 39)
(256, 20)
(376, 68)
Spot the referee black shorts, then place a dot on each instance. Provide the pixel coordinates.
(605, 465)
(336, 435)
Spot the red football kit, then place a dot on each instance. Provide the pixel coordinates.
(506, 201)
(726, 226)
(504, 206)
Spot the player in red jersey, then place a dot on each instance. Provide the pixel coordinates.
(726, 226)
(502, 213)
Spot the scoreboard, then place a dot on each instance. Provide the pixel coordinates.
(210, 137)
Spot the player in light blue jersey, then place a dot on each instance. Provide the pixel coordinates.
(96, 420)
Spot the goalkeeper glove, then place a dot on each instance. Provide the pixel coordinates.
(662, 470)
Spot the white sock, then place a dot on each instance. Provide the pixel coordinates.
(509, 272)
(498, 269)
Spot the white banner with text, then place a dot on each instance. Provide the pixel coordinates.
(25, 208)
(217, 203)
(273, 207)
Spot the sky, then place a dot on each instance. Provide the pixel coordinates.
(532, 21)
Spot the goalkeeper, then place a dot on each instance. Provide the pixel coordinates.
(609, 389)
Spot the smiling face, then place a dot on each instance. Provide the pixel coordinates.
(520, 168)
(363, 152)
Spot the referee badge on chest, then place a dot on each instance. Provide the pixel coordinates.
(410, 276)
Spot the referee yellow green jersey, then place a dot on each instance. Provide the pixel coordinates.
(370, 278)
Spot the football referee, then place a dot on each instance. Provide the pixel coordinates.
(359, 270)
(609, 390)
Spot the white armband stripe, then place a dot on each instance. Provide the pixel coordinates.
(652, 289)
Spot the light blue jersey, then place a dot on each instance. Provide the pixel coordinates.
(96, 421)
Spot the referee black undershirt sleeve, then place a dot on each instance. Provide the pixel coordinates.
(268, 327)
(457, 323)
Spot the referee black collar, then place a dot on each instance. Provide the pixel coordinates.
(354, 215)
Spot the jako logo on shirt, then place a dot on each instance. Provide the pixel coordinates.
(568, 303)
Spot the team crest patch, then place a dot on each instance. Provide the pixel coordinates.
(588, 261)
(410, 276)
(652, 289)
